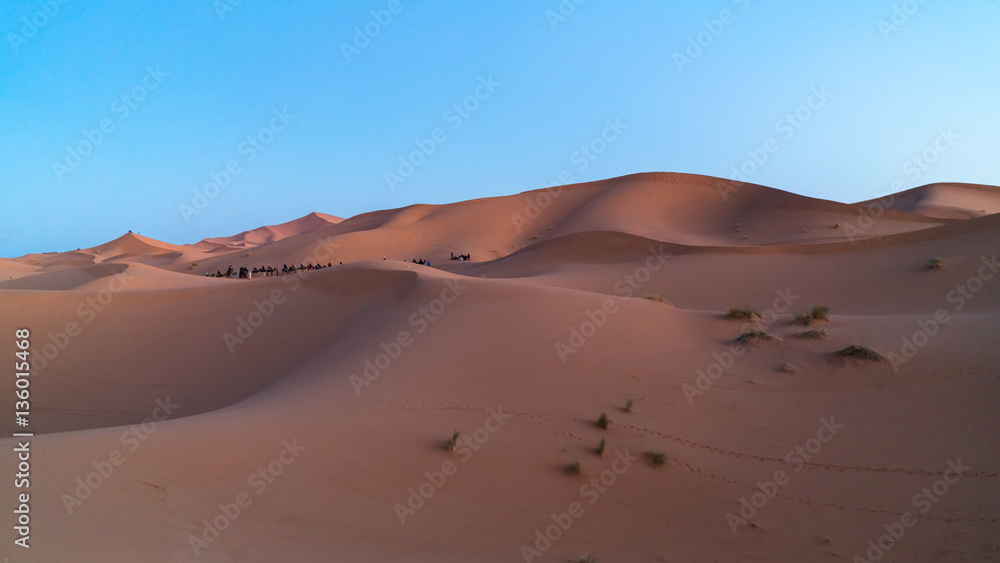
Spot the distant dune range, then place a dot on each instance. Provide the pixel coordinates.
(371, 364)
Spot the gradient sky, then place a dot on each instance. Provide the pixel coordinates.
(203, 82)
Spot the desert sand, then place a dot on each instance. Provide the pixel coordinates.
(179, 417)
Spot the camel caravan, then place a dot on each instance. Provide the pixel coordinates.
(244, 273)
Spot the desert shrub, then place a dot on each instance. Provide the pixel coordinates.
(860, 352)
(746, 313)
(818, 334)
(655, 297)
(656, 458)
(935, 264)
(603, 422)
(628, 405)
(817, 313)
(452, 442)
(574, 468)
(600, 447)
(753, 334)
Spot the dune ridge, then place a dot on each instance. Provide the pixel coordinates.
(343, 384)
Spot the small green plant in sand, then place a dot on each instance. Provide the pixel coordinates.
(746, 313)
(451, 442)
(814, 334)
(656, 297)
(656, 458)
(861, 353)
(752, 335)
(603, 422)
(817, 313)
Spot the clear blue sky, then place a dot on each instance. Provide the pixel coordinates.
(900, 79)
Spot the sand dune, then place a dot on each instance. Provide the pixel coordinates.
(53, 261)
(9, 269)
(342, 384)
(947, 201)
(674, 208)
(66, 278)
(132, 244)
(262, 235)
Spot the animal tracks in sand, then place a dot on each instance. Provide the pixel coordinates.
(553, 424)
